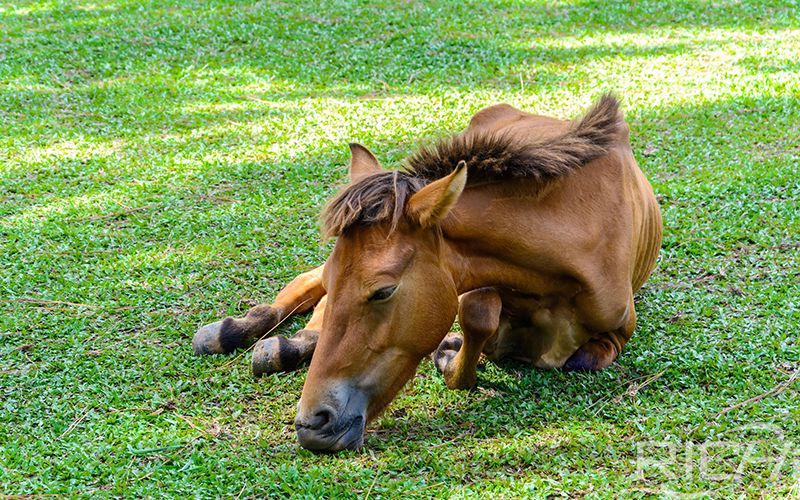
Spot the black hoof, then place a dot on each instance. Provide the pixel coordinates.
(446, 351)
(207, 340)
(582, 361)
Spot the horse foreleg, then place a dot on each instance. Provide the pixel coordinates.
(479, 315)
(278, 354)
(603, 348)
(224, 336)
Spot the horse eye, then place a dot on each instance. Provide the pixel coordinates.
(382, 293)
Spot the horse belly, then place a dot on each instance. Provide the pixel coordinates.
(551, 337)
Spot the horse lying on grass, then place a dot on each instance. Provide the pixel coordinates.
(535, 231)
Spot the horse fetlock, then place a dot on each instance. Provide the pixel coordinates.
(457, 372)
(229, 334)
(459, 378)
(279, 354)
(258, 321)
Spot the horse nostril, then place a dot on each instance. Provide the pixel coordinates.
(320, 420)
(323, 416)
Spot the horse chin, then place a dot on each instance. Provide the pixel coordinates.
(350, 438)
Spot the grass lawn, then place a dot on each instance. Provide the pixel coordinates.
(162, 165)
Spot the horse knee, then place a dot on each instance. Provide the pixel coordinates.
(479, 312)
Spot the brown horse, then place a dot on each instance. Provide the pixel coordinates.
(535, 231)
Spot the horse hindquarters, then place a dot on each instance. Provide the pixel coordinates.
(604, 347)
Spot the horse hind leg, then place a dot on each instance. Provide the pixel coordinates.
(479, 315)
(224, 336)
(603, 348)
(279, 354)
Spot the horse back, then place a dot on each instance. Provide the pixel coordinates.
(506, 119)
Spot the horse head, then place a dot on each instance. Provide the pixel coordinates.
(391, 298)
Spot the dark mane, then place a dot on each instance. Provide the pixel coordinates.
(382, 197)
(376, 198)
(498, 157)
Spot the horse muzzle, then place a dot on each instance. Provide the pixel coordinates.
(336, 424)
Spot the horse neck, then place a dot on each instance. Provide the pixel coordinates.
(491, 239)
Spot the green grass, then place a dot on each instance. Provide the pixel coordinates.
(162, 164)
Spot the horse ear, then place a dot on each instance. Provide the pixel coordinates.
(431, 203)
(362, 163)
